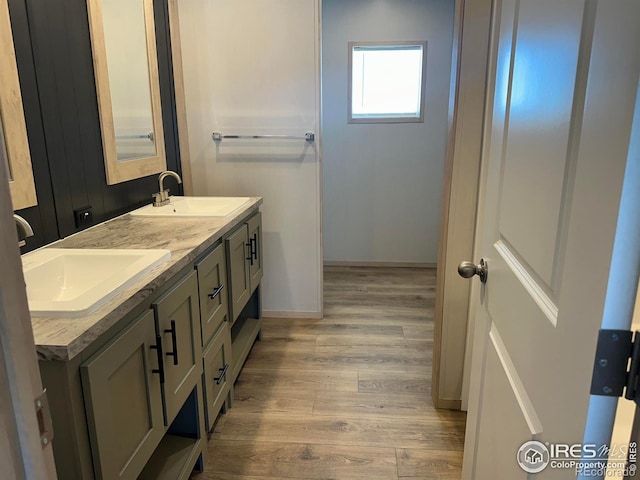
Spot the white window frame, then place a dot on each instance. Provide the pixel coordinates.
(382, 118)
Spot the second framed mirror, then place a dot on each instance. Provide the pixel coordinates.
(14, 144)
(126, 69)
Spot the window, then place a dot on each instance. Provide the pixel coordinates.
(386, 82)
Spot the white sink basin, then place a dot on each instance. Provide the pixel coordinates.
(194, 207)
(73, 283)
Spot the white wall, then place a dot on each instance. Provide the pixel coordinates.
(383, 182)
(252, 67)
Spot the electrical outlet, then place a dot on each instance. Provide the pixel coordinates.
(83, 216)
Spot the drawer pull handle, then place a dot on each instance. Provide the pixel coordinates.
(223, 374)
(216, 292)
(254, 247)
(174, 342)
(158, 348)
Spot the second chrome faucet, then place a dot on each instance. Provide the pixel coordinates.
(162, 197)
(25, 229)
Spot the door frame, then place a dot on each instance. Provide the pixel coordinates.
(453, 319)
(21, 453)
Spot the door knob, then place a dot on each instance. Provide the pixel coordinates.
(468, 270)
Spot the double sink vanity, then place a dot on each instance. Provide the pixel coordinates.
(142, 324)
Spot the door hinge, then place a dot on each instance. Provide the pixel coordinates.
(613, 374)
(43, 414)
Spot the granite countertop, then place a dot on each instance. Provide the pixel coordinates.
(186, 238)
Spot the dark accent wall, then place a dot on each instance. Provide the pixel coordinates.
(55, 66)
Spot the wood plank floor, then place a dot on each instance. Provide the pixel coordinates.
(345, 397)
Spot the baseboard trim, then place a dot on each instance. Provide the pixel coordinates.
(339, 263)
(448, 404)
(290, 314)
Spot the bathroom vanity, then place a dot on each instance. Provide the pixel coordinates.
(135, 386)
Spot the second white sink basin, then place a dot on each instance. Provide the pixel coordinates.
(194, 207)
(72, 283)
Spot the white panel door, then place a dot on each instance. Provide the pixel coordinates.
(565, 78)
(251, 67)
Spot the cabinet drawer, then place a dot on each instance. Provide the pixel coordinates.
(123, 401)
(217, 374)
(178, 324)
(212, 276)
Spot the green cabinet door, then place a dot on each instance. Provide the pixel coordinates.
(217, 374)
(178, 323)
(237, 246)
(254, 224)
(123, 401)
(212, 276)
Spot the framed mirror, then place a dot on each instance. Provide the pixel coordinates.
(125, 63)
(14, 145)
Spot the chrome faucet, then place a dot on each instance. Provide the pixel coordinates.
(24, 227)
(162, 197)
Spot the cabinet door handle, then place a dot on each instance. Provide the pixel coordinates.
(158, 348)
(216, 292)
(174, 342)
(250, 257)
(254, 246)
(223, 373)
